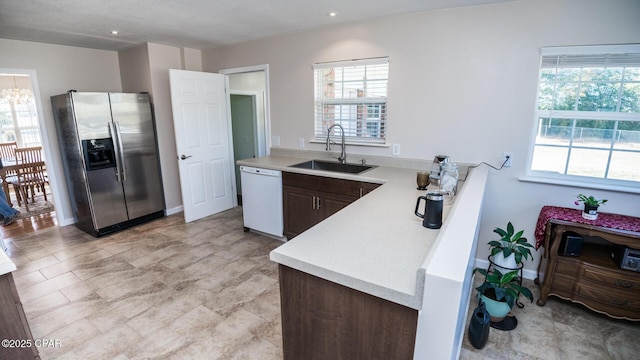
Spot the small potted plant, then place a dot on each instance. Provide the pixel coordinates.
(512, 247)
(499, 292)
(590, 211)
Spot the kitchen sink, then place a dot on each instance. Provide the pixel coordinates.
(333, 166)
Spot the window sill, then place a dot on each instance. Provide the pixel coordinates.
(379, 145)
(577, 183)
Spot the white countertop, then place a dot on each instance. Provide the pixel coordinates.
(376, 245)
(6, 265)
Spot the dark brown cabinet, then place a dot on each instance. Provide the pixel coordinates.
(309, 199)
(593, 278)
(18, 342)
(324, 320)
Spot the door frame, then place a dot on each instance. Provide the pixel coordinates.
(54, 184)
(267, 101)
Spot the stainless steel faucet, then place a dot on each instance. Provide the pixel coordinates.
(343, 154)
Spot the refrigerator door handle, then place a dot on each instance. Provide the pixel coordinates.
(121, 152)
(112, 132)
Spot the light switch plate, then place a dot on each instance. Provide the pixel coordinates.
(396, 149)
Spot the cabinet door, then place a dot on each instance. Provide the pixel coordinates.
(332, 203)
(300, 212)
(366, 188)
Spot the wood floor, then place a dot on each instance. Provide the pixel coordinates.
(29, 225)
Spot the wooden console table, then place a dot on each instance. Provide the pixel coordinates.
(592, 278)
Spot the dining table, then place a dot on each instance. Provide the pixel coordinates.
(7, 166)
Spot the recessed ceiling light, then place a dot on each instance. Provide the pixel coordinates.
(115, 32)
(333, 14)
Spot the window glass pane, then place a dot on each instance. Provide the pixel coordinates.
(548, 74)
(588, 162)
(630, 101)
(593, 133)
(565, 97)
(352, 90)
(547, 158)
(545, 97)
(602, 74)
(602, 96)
(353, 73)
(632, 74)
(625, 166)
(628, 136)
(7, 135)
(568, 74)
(377, 88)
(554, 131)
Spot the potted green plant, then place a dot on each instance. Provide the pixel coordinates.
(512, 247)
(500, 291)
(590, 211)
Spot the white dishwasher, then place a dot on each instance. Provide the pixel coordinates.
(262, 200)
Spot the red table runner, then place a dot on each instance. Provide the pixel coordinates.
(614, 221)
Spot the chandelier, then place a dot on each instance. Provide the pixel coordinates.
(15, 95)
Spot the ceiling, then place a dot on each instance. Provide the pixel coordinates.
(198, 24)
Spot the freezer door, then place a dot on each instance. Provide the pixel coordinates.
(106, 198)
(133, 119)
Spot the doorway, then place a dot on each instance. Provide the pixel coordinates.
(245, 132)
(22, 124)
(249, 104)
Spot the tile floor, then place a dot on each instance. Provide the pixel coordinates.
(207, 290)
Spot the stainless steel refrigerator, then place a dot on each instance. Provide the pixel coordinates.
(111, 164)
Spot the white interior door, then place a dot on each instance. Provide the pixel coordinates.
(203, 142)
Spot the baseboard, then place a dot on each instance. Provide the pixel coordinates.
(65, 222)
(175, 210)
(526, 273)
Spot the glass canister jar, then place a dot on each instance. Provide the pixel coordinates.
(449, 178)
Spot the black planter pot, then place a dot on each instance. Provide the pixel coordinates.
(479, 326)
(590, 212)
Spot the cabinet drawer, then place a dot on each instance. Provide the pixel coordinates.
(568, 266)
(563, 285)
(617, 279)
(327, 184)
(609, 299)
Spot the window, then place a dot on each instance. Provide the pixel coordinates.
(588, 115)
(352, 94)
(19, 122)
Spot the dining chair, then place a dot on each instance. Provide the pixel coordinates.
(30, 174)
(8, 154)
(7, 150)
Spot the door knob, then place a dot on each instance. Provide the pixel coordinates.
(183, 157)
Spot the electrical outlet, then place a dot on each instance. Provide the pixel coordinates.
(507, 158)
(396, 149)
(301, 143)
(275, 140)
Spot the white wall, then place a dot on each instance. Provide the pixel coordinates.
(462, 82)
(135, 73)
(59, 69)
(161, 59)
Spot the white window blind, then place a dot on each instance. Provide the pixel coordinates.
(588, 114)
(352, 94)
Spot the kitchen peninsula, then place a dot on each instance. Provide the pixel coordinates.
(375, 256)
